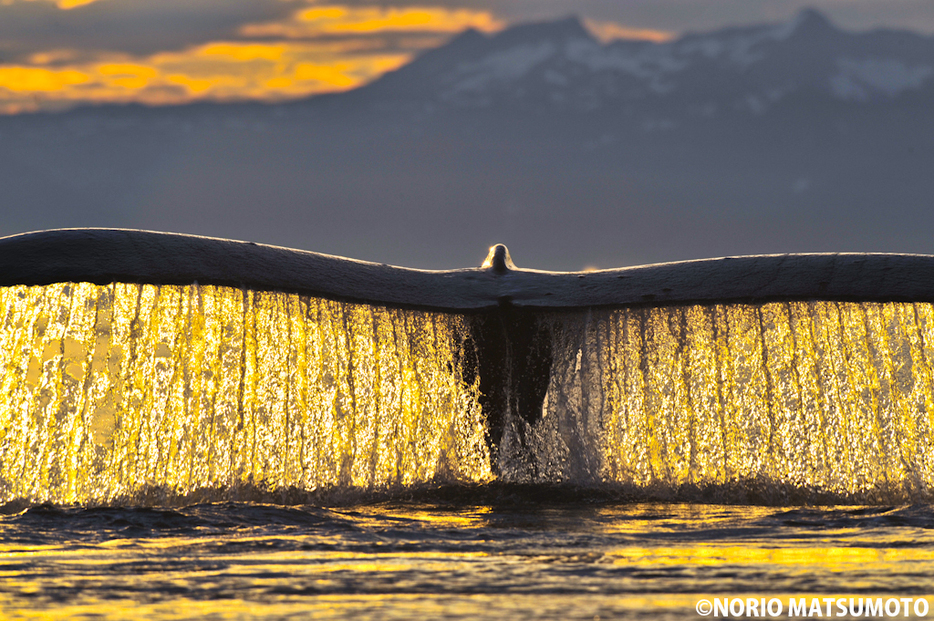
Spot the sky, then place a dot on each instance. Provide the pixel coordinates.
(55, 54)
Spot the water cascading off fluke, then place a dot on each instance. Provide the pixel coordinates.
(139, 363)
(512, 355)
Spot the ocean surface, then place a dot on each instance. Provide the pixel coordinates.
(493, 551)
(201, 452)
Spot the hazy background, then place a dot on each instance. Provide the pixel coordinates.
(645, 131)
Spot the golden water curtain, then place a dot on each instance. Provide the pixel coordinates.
(822, 397)
(112, 390)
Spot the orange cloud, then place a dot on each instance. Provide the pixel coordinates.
(315, 49)
(193, 86)
(129, 76)
(65, 5)
(245, 52)
(609, 31)
(372, 19)
(221, 71)
(273, 71)
(346, 74)
(36, 79)
(336, 75)
(337, 19)
(71, 4)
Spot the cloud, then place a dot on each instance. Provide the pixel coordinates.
(37, 79)
(219, 71)
(337, 19)
(608, 31)
(72, 4)
(307, 49)
(143, 27)
(342, 22)
(129, 26)
(56, 53)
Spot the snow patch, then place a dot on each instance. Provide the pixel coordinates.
(648, 63)
(510, 64)
(738, 47)
(859, 79)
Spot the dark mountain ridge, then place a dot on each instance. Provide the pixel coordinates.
(785, 137)
(561, 66)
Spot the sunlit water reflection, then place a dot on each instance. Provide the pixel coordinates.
(217, 453)
(488, 553)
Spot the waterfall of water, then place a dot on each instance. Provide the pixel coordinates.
(110, 392)
(829, 399)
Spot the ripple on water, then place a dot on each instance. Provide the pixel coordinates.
(493, 553)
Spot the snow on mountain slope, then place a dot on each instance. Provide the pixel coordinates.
(560, 65)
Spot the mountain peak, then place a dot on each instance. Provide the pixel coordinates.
(559, 65)
(809, 21)
(568, 28)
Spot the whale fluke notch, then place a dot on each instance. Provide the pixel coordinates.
(499, 260)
